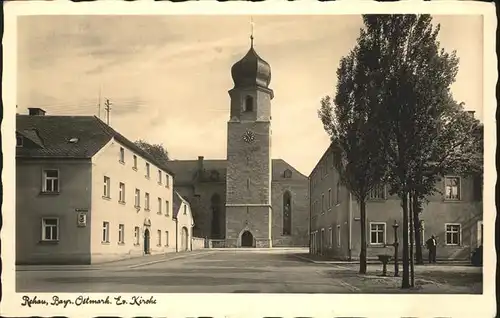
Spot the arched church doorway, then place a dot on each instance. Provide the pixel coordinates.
(146, 241)
(246, 239)
(184, 239)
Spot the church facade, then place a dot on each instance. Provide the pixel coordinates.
(249, 199)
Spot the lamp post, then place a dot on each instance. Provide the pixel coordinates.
(396, 244)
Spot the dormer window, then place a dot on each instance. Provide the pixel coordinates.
(287, 174)
(19, 141)
(249, 104)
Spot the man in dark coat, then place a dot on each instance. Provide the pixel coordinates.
(432, 246)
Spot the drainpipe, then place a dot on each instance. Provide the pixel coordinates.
(176, 235)
(350, 225)
(310, 217)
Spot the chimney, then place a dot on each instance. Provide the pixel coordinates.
(471, 112)
(33, 111)
(200, 163)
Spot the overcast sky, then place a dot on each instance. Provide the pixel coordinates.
(168, 76)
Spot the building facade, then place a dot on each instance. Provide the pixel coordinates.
(248, 199)
(454, 217)
(86, 194)
(184, 224)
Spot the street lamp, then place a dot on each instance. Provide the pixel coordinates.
(396, 244)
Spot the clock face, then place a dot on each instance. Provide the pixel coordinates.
(248, 136)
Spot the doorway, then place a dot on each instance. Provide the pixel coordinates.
(146, 241)
(246, 239)
(184, 239)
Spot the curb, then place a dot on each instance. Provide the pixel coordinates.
(166, 259)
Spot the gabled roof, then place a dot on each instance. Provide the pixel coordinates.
(51, 137)
(178, 200)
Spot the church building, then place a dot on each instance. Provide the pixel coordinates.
(249, 199)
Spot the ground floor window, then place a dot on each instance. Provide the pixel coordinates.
(330, 236)
(453, 232)
(105, 232)
(121, 233)
(137, 235)
(166, 238)
(50, 229)
(159, 238)
(338, 235)
(377, 233)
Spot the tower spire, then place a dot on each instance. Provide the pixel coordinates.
(251, 31)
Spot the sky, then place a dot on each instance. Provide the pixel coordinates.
(167, 77)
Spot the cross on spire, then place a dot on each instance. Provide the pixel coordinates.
(251, 31)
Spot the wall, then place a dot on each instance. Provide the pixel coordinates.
(256, 219)
(184, 221)
(106, 163)
(198, 243)
(31, 205)
(300, 212)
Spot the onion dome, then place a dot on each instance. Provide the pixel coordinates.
(251, 71)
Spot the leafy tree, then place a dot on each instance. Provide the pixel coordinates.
(353, 126)
(426, 132)
(157, 151)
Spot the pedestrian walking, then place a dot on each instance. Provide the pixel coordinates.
(432, 247)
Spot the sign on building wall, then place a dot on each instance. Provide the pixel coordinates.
(82, 219)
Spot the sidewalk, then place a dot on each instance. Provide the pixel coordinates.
(307, 257)
(127, 263)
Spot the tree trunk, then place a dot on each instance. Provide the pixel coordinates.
(362, 254)
(411, 227)
(406, 276)
(418, 232)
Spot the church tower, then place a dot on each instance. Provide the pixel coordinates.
(248, 185)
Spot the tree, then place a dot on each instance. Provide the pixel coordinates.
(157, 151)
(424, 131)
(354, 126)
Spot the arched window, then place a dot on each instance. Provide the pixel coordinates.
(249, 104)
(287, 213)
(216, 210)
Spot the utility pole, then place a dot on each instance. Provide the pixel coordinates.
(107, 108)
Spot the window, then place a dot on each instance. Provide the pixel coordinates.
(330, 237)
(147, 170)
(166, 238)
(338, 192)
(122, 155)
(159, 205)
(185, 208)
(106, 189)
(50, 229)
(51, 181)
(137, 234)
(322, 203)
(159, 238)
(137, 198)
(377, 233)
(287, 174)
(121, 196)
(452, 188)
(287, 213)
(249, 104)
(19, 141)
(329, 198)
(105, 232)
(159, 176)
(146, 201)
(135, 163)
(338, 235)
(167, 208)
(453, 232)
(167, 180)
(121, 233)
(377, 193)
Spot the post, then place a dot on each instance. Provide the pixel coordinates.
(412, 267)
(396, 245)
